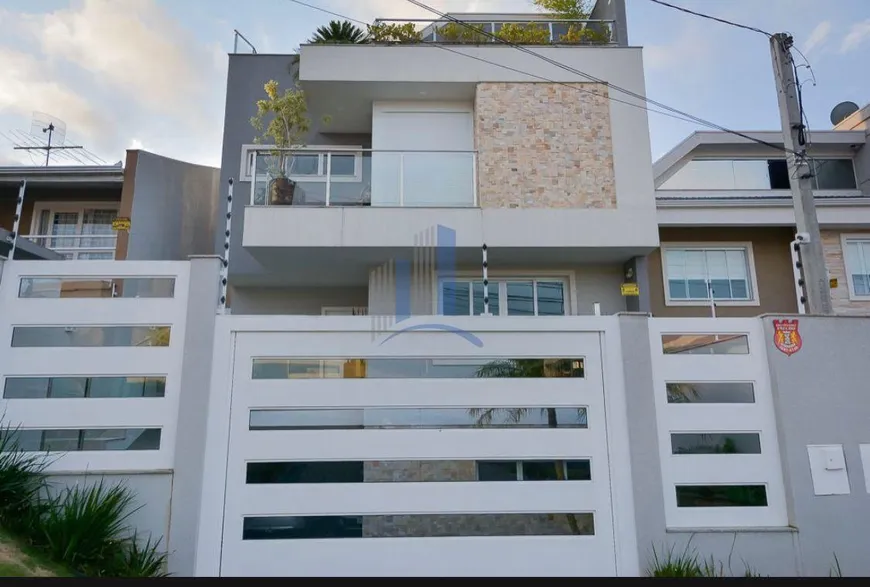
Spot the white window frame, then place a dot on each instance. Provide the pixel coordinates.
(79, 208)
(566, 278)
(707, 246)
(246, 167)
(845, 238)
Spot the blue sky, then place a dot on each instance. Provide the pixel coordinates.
(152, 73)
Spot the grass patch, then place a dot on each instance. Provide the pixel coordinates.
(688, 563)
(20, 560)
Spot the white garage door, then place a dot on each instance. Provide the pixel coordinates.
(423, 456)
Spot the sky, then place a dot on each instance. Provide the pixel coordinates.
(151, 74)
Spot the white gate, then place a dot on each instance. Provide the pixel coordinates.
(721, 466)
(349, 455)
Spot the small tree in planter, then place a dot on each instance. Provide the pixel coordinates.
(287, 128)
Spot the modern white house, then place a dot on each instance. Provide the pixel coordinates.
(419, 360)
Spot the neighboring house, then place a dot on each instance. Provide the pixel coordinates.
(553, 177)
(726, 222)
(67, 212)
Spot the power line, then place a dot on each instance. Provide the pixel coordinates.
(329, 12)
(565, 67)
(707, 16)
(676, 114)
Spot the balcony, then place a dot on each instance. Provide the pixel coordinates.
(77, 246)
(363, 177)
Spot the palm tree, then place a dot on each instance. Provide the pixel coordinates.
(531, 368)
(339, 32)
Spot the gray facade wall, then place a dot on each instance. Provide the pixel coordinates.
(820, 394)
(245, 79)
(174, 210)
(613, 10)
(305, 301)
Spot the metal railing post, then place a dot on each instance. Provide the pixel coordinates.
(474, 179)
(401, 179)
(16, 224)
(328, 176)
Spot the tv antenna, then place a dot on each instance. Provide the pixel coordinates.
(53, 130)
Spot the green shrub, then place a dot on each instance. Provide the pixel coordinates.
(454, 32)
(524, 34)
(671, 564)
(139, 559)
(21, 481)
(84, 526)
(385, 32)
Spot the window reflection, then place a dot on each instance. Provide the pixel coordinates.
(417, 526)
(711, 444)
(415, 471)
(380, 418)
(83, 287)
(67, 440)
(758, 174)
(446, 368)
(83, 387)
(705, 344)
(724, 392)
(90, 336)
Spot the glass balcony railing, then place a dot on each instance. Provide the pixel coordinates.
(471, 30)
(78, 246)
(363, 177)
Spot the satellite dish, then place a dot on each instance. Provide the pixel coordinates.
(842, 111)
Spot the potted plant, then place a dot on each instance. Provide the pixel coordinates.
(287, 126)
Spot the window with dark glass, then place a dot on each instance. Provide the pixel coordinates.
(417, 526)
(743, 443)
(717, 496)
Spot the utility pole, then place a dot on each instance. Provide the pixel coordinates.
(812, 257)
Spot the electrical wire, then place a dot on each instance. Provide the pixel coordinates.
(507, 67)
(565, 67)
(717, 19)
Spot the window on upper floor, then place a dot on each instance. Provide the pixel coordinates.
(515, 297)
(758, 174)
(697, 273)
(856, 253)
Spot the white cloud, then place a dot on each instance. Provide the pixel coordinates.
(691, 46)
(859, 33)
(118, 73)
(25, 88)
(131, 45)
(819, 36)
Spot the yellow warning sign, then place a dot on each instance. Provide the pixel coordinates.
(121, 224)
(630, 289)
(834, 282)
